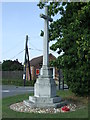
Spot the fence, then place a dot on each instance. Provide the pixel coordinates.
(12, 75)
(19, 75)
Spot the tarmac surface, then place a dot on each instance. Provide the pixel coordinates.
(11, 90)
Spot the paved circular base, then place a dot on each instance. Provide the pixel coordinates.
(21, 107)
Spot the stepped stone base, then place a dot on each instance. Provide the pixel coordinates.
(44, 102)
(44, 92)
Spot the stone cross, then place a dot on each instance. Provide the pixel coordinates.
(45, 87)
(46, 36)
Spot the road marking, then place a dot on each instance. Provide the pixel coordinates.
(15, 90)
(6, 91)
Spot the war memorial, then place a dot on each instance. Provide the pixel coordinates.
(45, 87)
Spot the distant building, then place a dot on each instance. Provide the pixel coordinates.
(36, 64)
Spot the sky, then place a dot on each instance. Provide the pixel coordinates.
(18, 20)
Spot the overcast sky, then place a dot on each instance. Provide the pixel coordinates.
(18, 20)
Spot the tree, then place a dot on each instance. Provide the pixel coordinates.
(72, 33)
(0, 66)
(10, 65)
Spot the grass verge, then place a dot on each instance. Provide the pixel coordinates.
(80, 113)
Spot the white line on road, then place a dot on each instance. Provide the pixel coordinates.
(6, 91)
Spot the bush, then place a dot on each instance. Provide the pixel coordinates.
(77, 81)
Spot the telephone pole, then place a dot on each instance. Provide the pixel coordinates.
(59, 77)
(26, 61)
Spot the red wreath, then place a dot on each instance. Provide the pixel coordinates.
(65, 109)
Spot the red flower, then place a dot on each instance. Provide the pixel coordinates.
(65, 109)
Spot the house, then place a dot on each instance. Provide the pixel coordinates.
(36, 64)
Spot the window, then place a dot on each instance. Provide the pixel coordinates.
(31, 70)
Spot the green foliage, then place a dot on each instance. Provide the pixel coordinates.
(10, 65)
(41, 5)
(42, 33)
(0, 66)
(72, 32)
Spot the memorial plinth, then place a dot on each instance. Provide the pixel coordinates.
(45, 87)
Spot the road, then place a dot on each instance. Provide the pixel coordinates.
(11, 90)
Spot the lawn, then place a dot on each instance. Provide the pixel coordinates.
(80, 113)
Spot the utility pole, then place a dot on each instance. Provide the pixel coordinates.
(63, 84)
(26, 61)
(59, 77)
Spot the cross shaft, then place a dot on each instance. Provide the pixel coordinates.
(46, 37)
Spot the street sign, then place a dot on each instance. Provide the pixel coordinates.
(37, 72)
